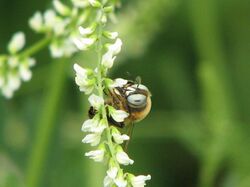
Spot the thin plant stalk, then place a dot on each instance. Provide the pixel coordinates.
(46, 124)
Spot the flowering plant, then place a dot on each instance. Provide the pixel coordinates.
(107, 138)
(68, 30)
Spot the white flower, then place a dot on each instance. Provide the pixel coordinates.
(7, 92)
(85, 85)
(101, 126)
(116, 47)
(96, 101)
(95, 3)
(119, 82)
(112, 172)
(111, 35)
(92, 139)
(117, 115)
(16, 43)
(84, 43)
(59, 49)
(69, 48)
(89, 124)
(60, 25)
(36, 22)
(104, 19)
(108, 59)
(94, 126)
(13, 61)
(107, 182)
(138, 181)
(118, 138)
(122, 157)
(80, 72)
(49, 19)
(14, 81)
(120, 181)
(24, 71)
(86, 31)
(61, 8)
(96, 155)
(80, 3)
(56, 50)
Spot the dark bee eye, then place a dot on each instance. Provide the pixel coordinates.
(137, 100)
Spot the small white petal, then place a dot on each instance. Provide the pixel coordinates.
(17, 42)
(80, 71)
(14, 81)
(36, 22)
(139, 181)
(108, 60)
(120, 182)
(61, 8)
(84, 43)
(123, 158)
(80, 3)
(120, 138)
(24, 71)
(116, 47)
(96, 155)
(95, 3)
(107, 182)
(96, 101)
(119, 82)
(56, 50)
(59, 26)
(89, 124)
(118, 115)
(7, 92)
(92, 139)
(86, 31)
(112, 172)
(50, 19)
(13, 62)
(111, 35)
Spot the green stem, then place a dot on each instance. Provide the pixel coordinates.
(100, 93)
(35, 48)
(46, 124)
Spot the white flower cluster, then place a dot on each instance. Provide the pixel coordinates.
(61, 24)
(107, 139)
(14, 68)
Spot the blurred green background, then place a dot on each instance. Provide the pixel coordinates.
(195, 58)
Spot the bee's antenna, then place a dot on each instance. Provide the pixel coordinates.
(138, 81)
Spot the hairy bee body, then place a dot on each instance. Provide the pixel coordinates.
(135, 99)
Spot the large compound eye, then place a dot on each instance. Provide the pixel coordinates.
(137, 100)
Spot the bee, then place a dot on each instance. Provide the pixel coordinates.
(131, 97)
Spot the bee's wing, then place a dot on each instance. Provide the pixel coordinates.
(129, 132)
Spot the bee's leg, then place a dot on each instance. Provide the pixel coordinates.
(115, 123)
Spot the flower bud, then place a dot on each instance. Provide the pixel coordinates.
(61, 8)
(16, 43)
